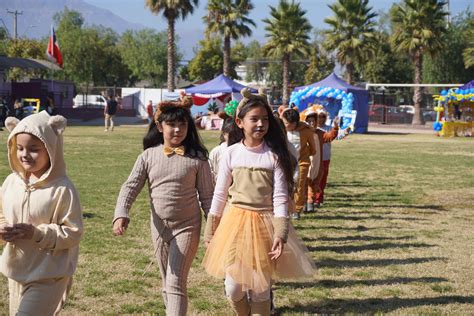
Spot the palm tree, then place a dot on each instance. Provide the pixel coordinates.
(287, 30)
(230, 19)
(172, 9)
(351, 33)
(418, 29)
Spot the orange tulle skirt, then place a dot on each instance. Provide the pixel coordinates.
(240, 248)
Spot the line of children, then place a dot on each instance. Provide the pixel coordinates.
(301, 136)
(253, 244)
(40, 217)
(316, 117)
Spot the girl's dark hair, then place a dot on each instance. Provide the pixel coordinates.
(226, 128)
(292, 116)
(193, 145)
(275, 138)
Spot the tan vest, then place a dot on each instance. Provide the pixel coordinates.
(252, 188)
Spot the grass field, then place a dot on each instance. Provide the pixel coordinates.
(396, 234)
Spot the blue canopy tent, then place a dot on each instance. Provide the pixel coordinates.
(360, 104)
(220, 89)
(220, 84)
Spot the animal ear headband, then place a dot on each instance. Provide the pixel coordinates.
(186, 102)
(248, 96)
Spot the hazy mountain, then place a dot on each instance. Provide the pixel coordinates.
(37, 17)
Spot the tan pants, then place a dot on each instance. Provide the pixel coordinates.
(45, 297)
(301, 186)
(176, 245)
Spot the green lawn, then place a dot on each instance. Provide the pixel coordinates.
(394, 236)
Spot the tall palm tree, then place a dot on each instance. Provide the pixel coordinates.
(172, 10)
(351, 33)
(418, 29)
(230, 19)
(287, 32)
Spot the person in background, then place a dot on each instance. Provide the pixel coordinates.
(110, 110)
(216, 152)
(18, 107)
(300, 134)
(150, 111)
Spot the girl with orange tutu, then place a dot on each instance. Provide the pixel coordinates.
(253, 243)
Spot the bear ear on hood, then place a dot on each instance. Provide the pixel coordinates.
(11, 122)
(58, 124)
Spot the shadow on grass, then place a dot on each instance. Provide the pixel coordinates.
(88, 215)
(359, 184)
(374, 305)
(355, 238)
(359, 228)
(348, 283)
(348, 249)
(334, 263)
(357, 218)
(432, 208)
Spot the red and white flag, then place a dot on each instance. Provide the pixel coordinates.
(52, 52)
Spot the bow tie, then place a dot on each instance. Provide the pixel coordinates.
(173, 150)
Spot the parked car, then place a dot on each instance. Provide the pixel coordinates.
(389, 114)
(407, 108)
(89, 100)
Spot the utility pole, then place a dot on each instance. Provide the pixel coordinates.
(15, 15)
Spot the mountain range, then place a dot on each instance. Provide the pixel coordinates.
(37, 16)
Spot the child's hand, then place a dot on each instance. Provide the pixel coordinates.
(277, 249)
(17, 231)
(336, 122)
(120, 226)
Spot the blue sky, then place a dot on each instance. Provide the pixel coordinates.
(192, 29)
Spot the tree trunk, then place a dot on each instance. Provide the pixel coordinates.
(171, 54)
(227, 55)
(350, 73)
(286, 75)
(417, 97)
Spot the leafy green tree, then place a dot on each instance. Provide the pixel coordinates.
(321, 64)
(25, 48)
(3, 41)
(172, 10)
(90, 54)
(287, 32)
(447, 66)
(351, 33)
(229, 18)
(144, 53)
(419, 28)
(209, 58)
(255, 69)
(468, 53)
(385, 65)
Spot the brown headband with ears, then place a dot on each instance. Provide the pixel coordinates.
(186, 102)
